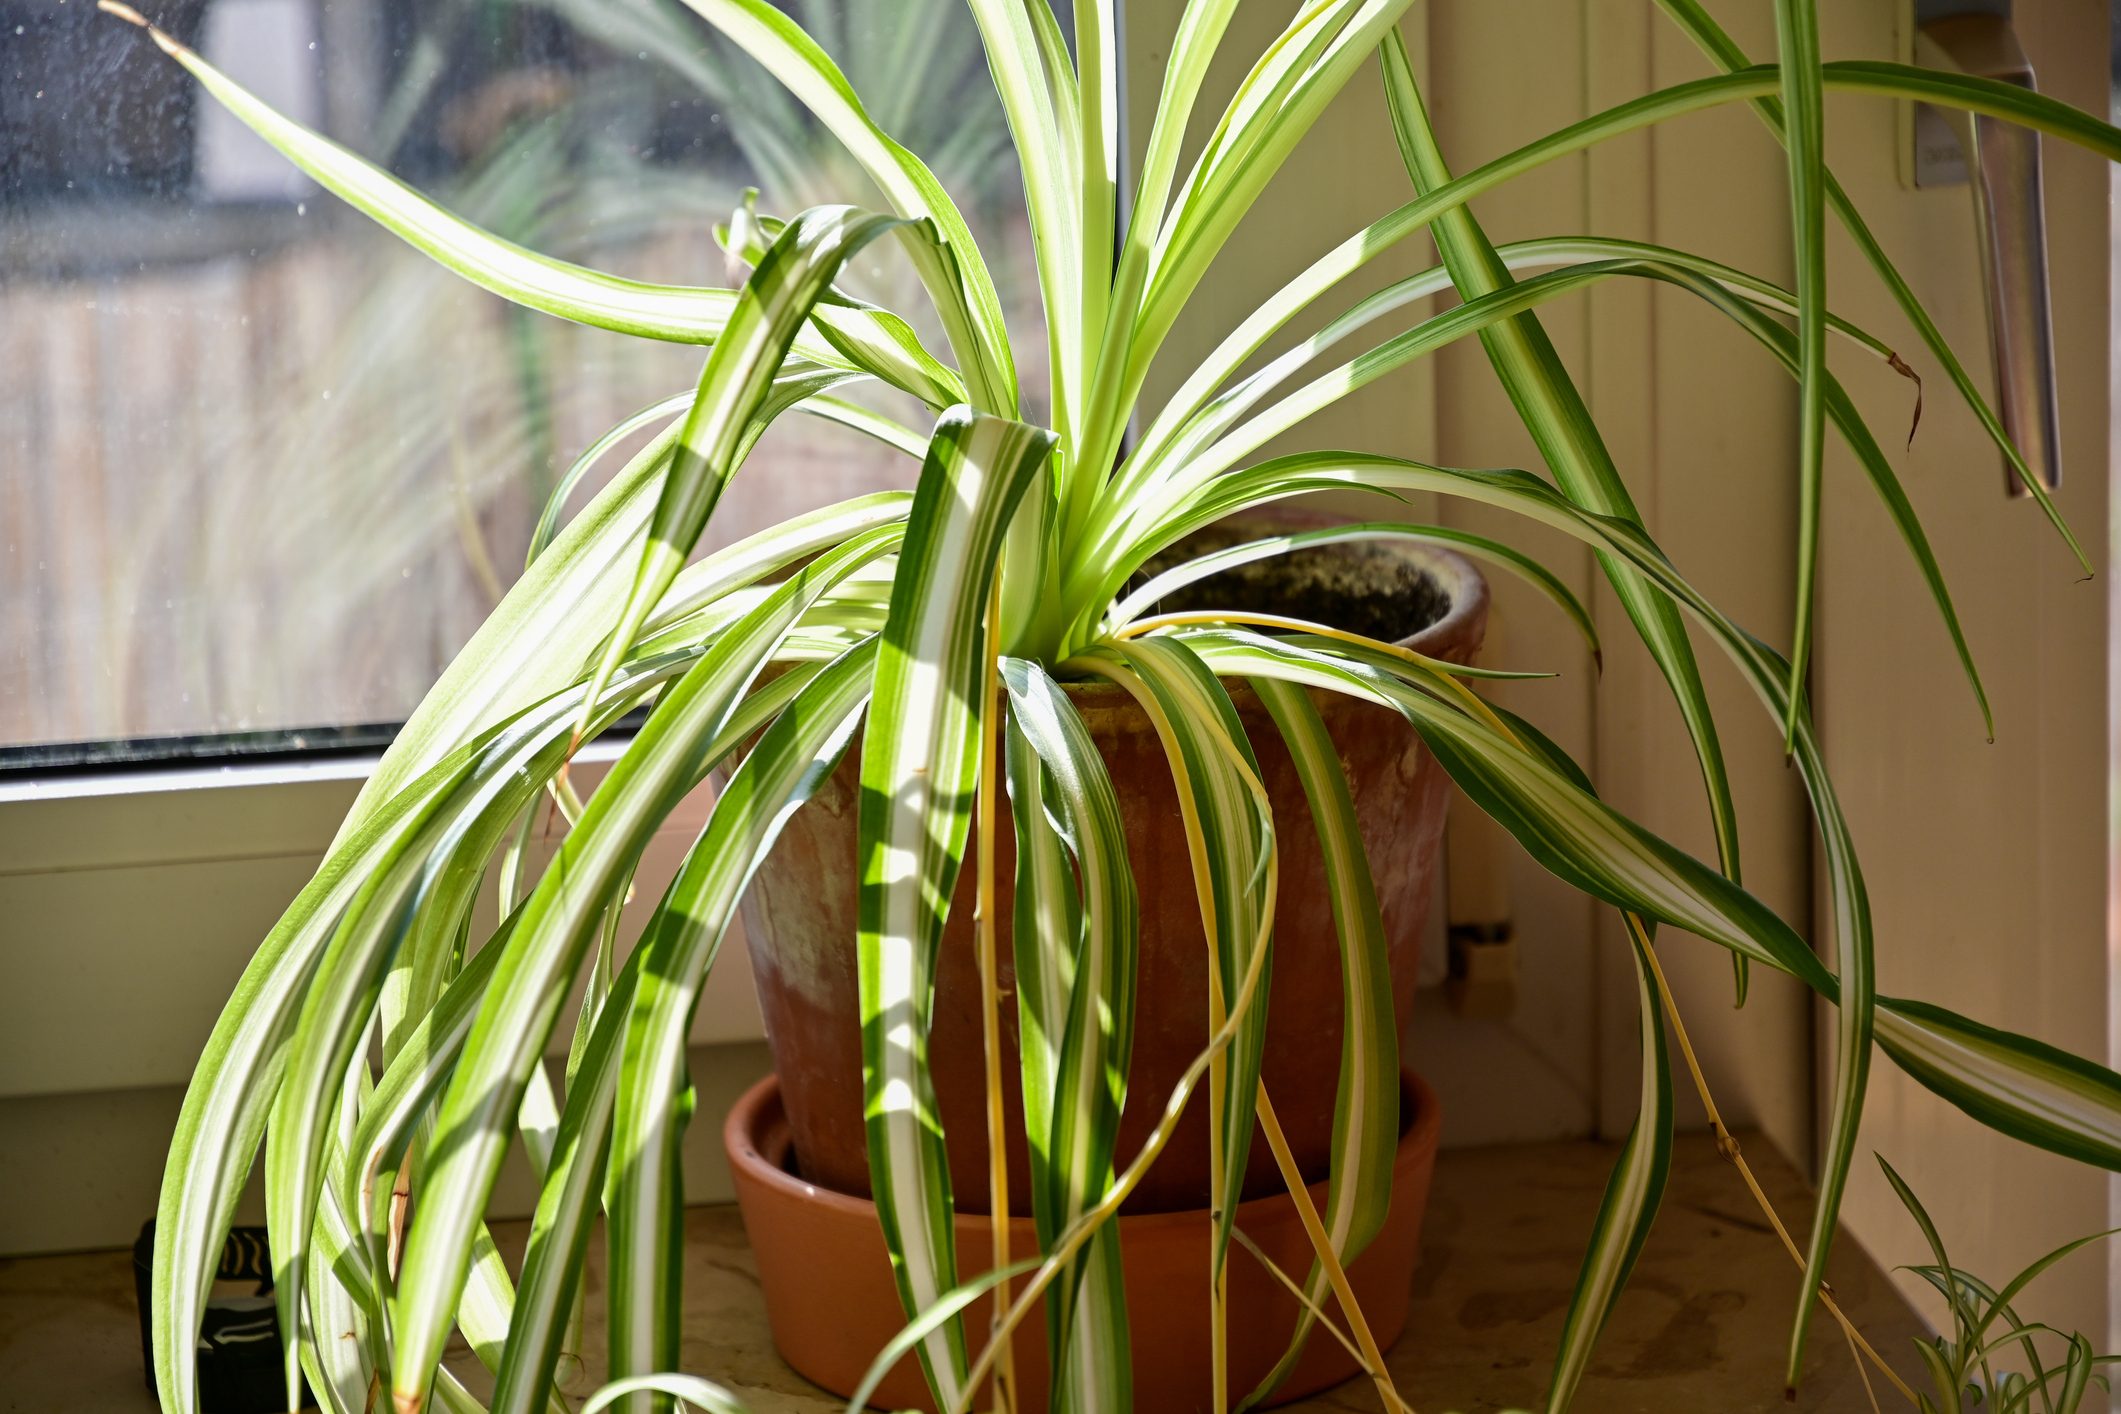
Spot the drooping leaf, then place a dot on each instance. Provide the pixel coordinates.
(1560, 424)
(521, 1004)
(678, 947)
(1631, 1199)
(1075, 974)
(918, 765)
(789, 281)
(1366, 1097)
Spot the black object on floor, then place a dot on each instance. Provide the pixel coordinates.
(239, 1336)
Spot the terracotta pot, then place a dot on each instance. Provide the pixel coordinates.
(832, 1303)
(799, 921)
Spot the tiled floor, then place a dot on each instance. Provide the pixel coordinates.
(1702, 1326)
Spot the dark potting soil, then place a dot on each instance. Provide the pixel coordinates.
(1356, 587)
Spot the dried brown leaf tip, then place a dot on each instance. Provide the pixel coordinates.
(1899, 365)
(131, 16)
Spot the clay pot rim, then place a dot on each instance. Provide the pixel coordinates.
(752, 1118)
(1455, 575)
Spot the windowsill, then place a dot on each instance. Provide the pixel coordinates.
(70, 783)
(134, 899)
(1702, 1326)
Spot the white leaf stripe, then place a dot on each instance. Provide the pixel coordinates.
(1465, 542)
(1768, 676)
(1220, 423)
(567, 1204)
(1365, 1108)
(1560, 423)
(1190, 242)
(1215, 838)
(1046, 933)
(1077, 1027)
(678, 946)
(462, 826)
(953, 272)
(1097, 1037)
(1029, 82)
(342, 997)
(1713, 41)
(561, 610)
(1200, 30)
(817, 404)
(1804, 116)
(1957, 91)
(1186, 411)
(559, 920)
(1571, 833)
(2021, 1087)
(1199, 714)
(794, 274)
(224, 1111)
(424, 1062)
(917, 775)
(713, 577)
(875, 342)
(1631, 1198)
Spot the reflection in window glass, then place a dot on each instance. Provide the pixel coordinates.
(262, 468)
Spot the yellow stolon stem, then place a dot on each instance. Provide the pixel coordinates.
(990, 1011)
(1336, 1275)
(1727, 1147)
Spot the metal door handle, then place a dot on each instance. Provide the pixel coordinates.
(2002, 161)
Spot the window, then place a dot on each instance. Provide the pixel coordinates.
(262, 468)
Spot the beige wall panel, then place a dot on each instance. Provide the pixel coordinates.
(1721, 418)
(1986, 863)
(1478, 53)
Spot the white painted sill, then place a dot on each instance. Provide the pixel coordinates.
(130, 902)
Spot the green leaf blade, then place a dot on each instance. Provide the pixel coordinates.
(917, 773)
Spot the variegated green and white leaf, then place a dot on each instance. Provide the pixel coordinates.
(1716, 42)
(951, 268)
(1560, 423)
(2034, 1092)
(1366, 1099)
(1465, 542)
(1804, 138)
(689, 1390)
(791, 278)
(1571, 833)
(678, 947)
(559, 920)
(379, 943)
(1075, 952)
(850, 338)
(1632, 1195)
(1224, 785)
(224, 1112)
(918, 768)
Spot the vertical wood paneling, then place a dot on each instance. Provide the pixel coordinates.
(1987, 863)
(1502, 75)
(1718, 423)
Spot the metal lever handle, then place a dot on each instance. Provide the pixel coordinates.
(2003, 163)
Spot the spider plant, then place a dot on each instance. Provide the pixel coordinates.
(387, 1058)
(1987, 1330)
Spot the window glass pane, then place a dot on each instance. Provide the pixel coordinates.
(262, 468)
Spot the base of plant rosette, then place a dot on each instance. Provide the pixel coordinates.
(832, 1303)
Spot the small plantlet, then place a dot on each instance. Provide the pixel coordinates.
(1971, 1367)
